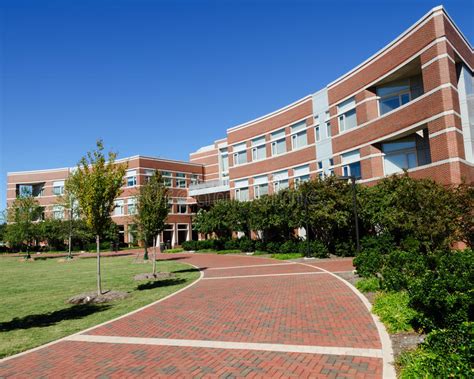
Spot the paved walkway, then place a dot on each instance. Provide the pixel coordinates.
(245, 317)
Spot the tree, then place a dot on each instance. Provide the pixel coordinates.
(22, 228)
(152, 211)
(53, 232)
(95, 184)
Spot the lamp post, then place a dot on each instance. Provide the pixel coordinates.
(307, 226)
(352, 178)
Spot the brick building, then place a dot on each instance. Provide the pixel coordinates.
(409, 106)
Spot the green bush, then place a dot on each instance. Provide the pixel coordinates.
(370, 284)
(444, 354)
(370, 260)
(246, 244)
(444, 294)
(317, 249)
(189, 245)
(400, 268)
(273, 247)
(232, 244)
(259, 245)
(288, 247)
(345, 249)
(394, 311)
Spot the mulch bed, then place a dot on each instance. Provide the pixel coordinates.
(95, 298)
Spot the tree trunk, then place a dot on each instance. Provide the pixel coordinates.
(154, 255)
(99, 284)
(145, 255)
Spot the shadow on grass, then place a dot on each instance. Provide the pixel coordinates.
(189, 270)
(170, 259)
(47, 319)
(159, 283)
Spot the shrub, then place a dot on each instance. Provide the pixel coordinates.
(316, 249)
(444, 354)
(400, 268)
(444, 294)
(246, 244)
(370, 284)
(232, 244)
(394, 311)
(369, 261)
(273, 247)
(259, 245)
(288, 247)
(345, 249)
(189, 245)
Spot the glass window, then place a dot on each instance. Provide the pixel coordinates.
(119, 208)
(278, 142)
(393, 95)
(181, 208)
(347, 120)
(132, 206)
(242, 194)
(240, 158)
(194, 179)
(317, 133)
(352, 169)
(224, 162)
(131, 178)
(299, 140)
(259, 151)
(320, 165)
(399, 155)
(261, 190)
(280, 180)
(180, 180)
(58, 188)
(58, 212)
(167, 178)
(328, 129)
(301, 174)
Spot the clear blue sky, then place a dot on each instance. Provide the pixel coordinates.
(164, 78)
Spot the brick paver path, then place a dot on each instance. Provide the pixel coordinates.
(245, 317)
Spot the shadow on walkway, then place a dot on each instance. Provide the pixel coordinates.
(47, 319)
(190, 270)
(159, 283)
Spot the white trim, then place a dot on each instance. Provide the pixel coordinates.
(447, 130)
(272, 114)
(437, 58)
(284, 348)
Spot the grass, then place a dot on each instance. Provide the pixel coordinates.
(287, 256)
(371, 284)
(394, 312)
(176, 250)
(33, 301)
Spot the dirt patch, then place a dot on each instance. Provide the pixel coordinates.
(405, 341)
(157, 276)
(95, 298)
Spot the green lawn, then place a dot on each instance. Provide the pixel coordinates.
(33, 308)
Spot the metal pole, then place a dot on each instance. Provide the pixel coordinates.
(356, 218)
(70, 229)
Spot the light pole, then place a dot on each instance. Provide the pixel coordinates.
(352, 178)
(307, 222)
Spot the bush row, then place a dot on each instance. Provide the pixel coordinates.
(312, 249)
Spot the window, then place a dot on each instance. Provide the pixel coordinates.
(280, 181)
(167, 178)
(30, 190)
(119, 208)
(170, 206)
(351, 164)
(241, 190)
(148, 175)
(317, 133)
(301, 174)
(181, 206)
(399, 155)
(224, 161)
(260, 186)
(347, 115)
(131, 178)
(278, 142)
(240, 154)
(180, 180)
(331, 161)
(298, 135)
(327, 123)
(393, 95)
(58, 188)
(259, 150)
(194, 179)
(132, 206)
(58, 212)
(320, 165)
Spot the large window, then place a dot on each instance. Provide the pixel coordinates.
(301, 174)
(167, 178)
(280, 180)
(399, 155)
(27, 190)
(259, 150)
(224, 161)
(132, 206)
(119, 208)
(327, 125)
(181, 206)
(347, 115)
(148, 174)
(194, 179)
(260, 186)
(58, 212)
(278, 142)
(131, 178)
(58, 187)
(241, 190)
(299, 138)
(180, 180)
(351, 164)
(395, 94)
(240, 154)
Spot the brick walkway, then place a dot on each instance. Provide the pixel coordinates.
(246, 317)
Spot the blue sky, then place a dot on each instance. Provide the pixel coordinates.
(164, 78)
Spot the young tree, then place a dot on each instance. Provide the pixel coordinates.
(152, 211)
(95, 184)
(22, 228)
